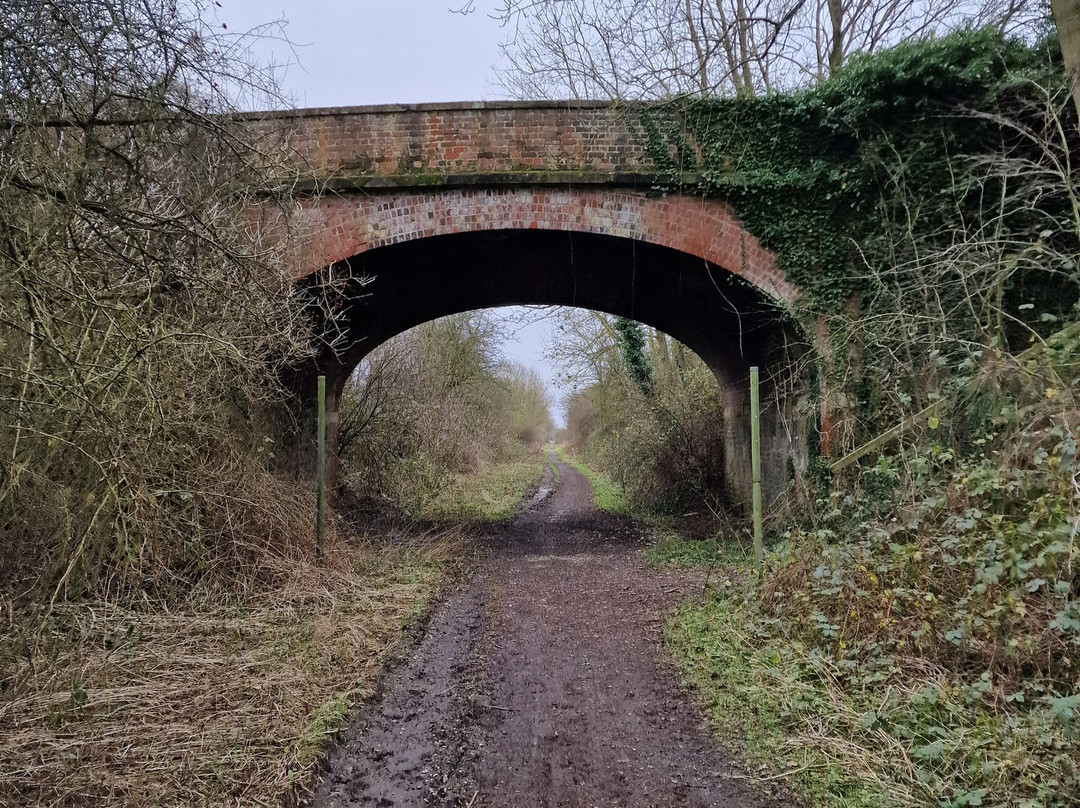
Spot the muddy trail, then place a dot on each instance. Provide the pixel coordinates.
(542, 684)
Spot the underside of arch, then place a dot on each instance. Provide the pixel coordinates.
(340, 227)
(727, 321)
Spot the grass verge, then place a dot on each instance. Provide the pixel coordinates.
(607, 494)
(209, 704)
(860, 733)
(750, 690)
(670, 548)
(554, 473)
(490, 494)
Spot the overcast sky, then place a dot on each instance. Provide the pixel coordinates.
(355, 52)
(377, 51)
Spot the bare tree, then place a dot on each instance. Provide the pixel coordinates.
(636, 49)
(427, 405)
(529, 404)
(584, 346)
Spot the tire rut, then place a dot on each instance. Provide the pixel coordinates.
(413, 747)
(542, 684)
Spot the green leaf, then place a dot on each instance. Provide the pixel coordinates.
(971, 797)
(1065, 707)
(1066, 620)
(932, 751)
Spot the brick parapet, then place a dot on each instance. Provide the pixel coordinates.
(391, 173)
(463, 138)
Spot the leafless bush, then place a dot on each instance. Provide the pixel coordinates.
(955, 310)
(436, 402)
(144, 316)
(663, 445)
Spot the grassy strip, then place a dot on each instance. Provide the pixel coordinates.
(670, 548)
(208, 705)
(607, 494)
(750, 688)
(850, 733)
(489, 494)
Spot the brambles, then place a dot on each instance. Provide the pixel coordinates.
(915, 628)
(921, 640)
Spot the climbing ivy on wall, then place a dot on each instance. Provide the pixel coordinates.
(639, 367)
(811, 172)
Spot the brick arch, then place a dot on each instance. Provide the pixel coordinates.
(451, 207)
(428, 254)
(345, 226)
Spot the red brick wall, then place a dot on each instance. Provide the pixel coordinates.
(465, 138)
(480, 139)
(341, 226)
(459, 163)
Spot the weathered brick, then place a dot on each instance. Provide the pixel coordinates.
(490, 138)
(341, 226)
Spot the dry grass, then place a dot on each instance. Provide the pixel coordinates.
(489, 493)
(103, 704)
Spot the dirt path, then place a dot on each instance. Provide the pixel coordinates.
(541, 684)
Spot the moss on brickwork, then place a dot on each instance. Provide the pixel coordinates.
(423, 178)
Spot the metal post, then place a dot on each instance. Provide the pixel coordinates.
(320, 517)
(755, 462)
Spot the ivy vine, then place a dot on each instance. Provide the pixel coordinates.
(809, 172)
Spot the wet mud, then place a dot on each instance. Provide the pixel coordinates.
(542, 684)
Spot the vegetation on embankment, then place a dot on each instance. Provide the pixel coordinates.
(645, 412)
(146, 320)
(219, 701)
(164, 635)
(439, 425)
(915, 639)
(915, 636)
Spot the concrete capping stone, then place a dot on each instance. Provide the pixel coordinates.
(438, 106)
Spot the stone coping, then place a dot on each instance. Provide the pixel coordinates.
(377, 182)
(438, 106)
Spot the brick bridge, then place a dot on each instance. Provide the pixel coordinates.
(426, 210)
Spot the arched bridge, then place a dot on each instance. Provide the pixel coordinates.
(427, 210)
